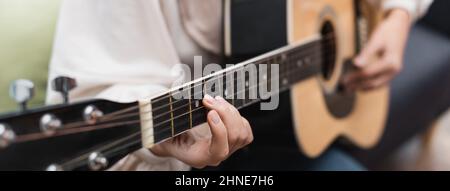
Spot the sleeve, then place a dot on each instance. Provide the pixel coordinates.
(116, 50)
(415, 8)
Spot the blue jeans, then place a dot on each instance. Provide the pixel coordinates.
(288, 159)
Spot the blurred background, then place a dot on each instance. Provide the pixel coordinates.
(27, 30)
(26, 35)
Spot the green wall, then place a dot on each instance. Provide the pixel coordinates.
(26, 37)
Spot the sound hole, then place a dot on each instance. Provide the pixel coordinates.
(328, 50)
(339, 103)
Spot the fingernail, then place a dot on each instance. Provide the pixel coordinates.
(220, 99)
(359, 62)
(210, 100)
(215, 117)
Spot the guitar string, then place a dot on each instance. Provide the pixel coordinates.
(198, 93)
(112, 152)
(313, 45)
(35, 136)
(86, 155)
(101, 126)
(29, 137)
(108, 116)
(130, 109)
(23, 138)
(107, 153)
(320, 42)
(127, 138)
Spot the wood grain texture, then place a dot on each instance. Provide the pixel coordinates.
(315, 127)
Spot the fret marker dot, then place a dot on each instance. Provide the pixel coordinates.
(307, 60)
(285, 81)
(226, 92)
(283, 57)
(246, 83)
(299, 63)
(197, 103)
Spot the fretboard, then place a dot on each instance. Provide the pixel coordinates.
(172, 115)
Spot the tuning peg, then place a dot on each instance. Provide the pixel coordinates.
(63, 85)
(7, 135)
(97, 161)
(49, 124)
(21, 91)
(54, 167)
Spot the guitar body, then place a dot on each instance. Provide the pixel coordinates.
(315, 126)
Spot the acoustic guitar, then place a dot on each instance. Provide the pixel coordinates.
(322, 38)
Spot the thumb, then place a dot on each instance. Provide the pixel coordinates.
(369, 51)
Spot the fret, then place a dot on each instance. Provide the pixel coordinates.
(312, 62)
(198, 112)
(250, 101)
(262, 77)
(197, 90)
(181, 114)
(265, 81)
(199, 116)
(251, 78)
(213, 84)
(171, 114)
(221, 84)
(190, 107)
(196, 95)
(269, 77)
(204, 88)
(228, 88)
(162, 117)
(238, 88)
(247, 87)
(296, 61)
(284, 78)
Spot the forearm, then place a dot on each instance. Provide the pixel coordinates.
(415, 8)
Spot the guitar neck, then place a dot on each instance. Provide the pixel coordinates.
(162, 117)
(241, 85)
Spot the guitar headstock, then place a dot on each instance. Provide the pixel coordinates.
(68, 136)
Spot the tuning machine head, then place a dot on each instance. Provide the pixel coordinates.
(63, 85)
(54, 167)
(21, 91)
(7, 135)
(49, 124)
(92, 114)
(97, 161)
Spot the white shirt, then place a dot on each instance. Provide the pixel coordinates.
(124, 51)
(415, 8)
